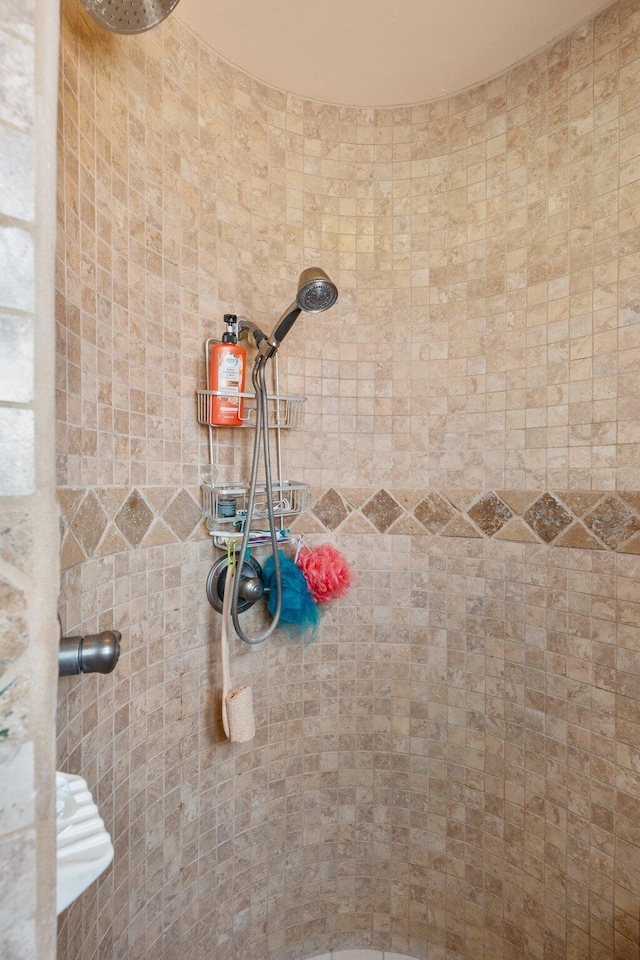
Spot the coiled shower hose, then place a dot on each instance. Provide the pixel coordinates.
(261, 434)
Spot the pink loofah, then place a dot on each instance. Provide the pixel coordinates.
(327, 573)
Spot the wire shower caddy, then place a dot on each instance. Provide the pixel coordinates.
(289, 497)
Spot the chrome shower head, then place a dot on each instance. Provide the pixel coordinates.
(316, 292)
(129, 16)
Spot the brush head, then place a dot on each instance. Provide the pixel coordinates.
(316, 292)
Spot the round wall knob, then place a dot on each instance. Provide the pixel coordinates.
(251, 586)
(100, 652)
(95, 653)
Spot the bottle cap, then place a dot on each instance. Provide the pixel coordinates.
(230, 336)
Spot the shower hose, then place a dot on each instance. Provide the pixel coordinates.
(261, 436)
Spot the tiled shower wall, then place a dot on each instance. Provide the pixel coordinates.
(450, 770)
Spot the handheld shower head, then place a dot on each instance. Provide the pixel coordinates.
(316, 292)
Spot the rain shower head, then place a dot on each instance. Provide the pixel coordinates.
(129, 16)
(316, 292)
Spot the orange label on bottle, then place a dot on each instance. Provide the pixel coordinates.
(229, 378)
(226, 371)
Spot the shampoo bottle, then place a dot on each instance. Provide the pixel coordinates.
(227, 368)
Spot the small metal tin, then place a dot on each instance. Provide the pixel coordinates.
(227, 505)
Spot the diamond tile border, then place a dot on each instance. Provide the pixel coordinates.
(102, 521)
(583, 520)
(99, 522)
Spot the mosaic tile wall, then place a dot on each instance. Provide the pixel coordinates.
(29, 569)
(450, 770)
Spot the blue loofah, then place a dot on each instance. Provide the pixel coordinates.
(299, 616)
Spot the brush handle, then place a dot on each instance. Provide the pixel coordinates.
(224, 641)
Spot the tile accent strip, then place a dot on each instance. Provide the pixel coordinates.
(587, 520)
(97, 522)
(101, 521)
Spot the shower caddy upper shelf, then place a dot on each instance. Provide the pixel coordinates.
(285, 411)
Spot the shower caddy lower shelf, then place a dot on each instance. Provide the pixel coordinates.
(289, 497)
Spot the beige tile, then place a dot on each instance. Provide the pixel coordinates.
(460, 527)
(632, 545)
(460, 497)
(89, 523)
(579, 502)
(357, 523)
(518, 500)
(517, 530)
(613, 521)
(547, 517)
(182, 514)
(489, 514)
(158, 497)
(134, 518)
(157, 534)
(434, 512)
(111, 499)
(71, 552)
(357, 496)
(307, 523)
(382, 510)
(407, 526)
(69, 499)
(112, 542)
(331, 510)
(632, 498)
(407, 497)
(577, 536)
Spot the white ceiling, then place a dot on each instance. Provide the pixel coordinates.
(379, 52)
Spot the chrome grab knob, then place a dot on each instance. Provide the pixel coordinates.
(251, 589)
(95, 653)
